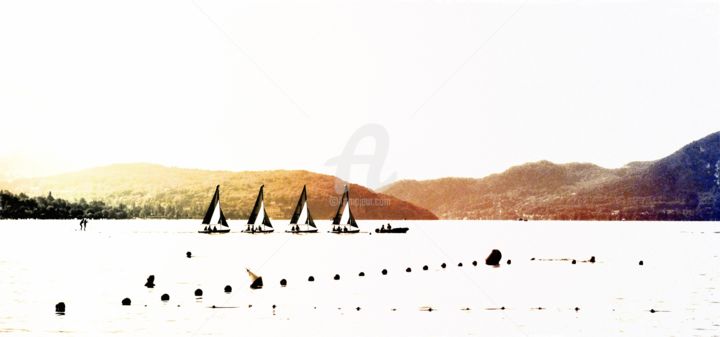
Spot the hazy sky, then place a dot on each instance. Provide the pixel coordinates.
(462, 88)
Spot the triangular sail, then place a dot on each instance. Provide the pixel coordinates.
(344, 216)
(258, 214)
(214, 214)
(301, 215)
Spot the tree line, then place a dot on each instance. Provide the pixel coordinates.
(21, 206)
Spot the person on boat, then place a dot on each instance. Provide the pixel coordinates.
(214, 228)
(389, 227)
(344, 229)
(382, 228)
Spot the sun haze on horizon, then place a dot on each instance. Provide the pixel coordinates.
(460, 88)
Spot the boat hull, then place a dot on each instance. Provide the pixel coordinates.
(302, 231)
(354, 231)
(258, 232)
(398, 230)
(219, 231)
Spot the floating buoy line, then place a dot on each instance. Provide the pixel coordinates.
(492, 260)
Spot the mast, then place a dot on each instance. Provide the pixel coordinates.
(302, 215)
(214, 214)
(344, 216)
(259, 210)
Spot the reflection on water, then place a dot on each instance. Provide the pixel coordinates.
(46, 262)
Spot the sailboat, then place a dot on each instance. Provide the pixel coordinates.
(302, 221)
(259, 222)
(214, 220)
(344, 221)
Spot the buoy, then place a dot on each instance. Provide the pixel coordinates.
(337, 277)
(198, 292)
(574, 262)
(652, 311)
(509, 261)
(274, 306)
(257, 281)
(188, 254)
(502, 308)
(60, 307)
(474, 263)
(165, 297)
(150, 281)
(126, 301)
(358, 308)
(311, 279)
(361, 274)
(460, 264)
(577, 309)
(443, 265)
(228, 289)
(592, 259)
(533, 259)
(494, 258)
(425, 267)
(283, 283)
(408, 269)
(641, 262)
(384, 272)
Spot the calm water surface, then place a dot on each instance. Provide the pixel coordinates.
(45, 262)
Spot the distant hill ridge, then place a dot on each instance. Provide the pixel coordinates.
(684, 185)
(159, 191)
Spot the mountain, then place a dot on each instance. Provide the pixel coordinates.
(682, 186)
(158, 191)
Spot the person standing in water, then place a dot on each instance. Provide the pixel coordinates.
(82, 221)
(85, 221)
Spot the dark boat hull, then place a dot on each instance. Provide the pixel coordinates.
(219, 231)
(258, 232)
(399, 230)
(302, 231)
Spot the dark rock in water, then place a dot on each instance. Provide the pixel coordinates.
(574, 262)
(641, 262)
(425, 267)
(384, 272)
(165, 297)
(577, 309)
(150, 283)
(274, 306)
(502, 308)
(533, 259)
(592, 259)
(408, 269)
(198, 292)
(460, 264)
(126, 301)
(311, 279)
(60, 307)
(494, 258)
(443, 265)
(228, 289)
(188, 254)
(474, 263)
(336, 277)
(361, 274)
(257, 284)
(509, 261)
(652, 311)
(358, 308)
(283, 283)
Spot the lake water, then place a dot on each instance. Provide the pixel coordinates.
(45, 262)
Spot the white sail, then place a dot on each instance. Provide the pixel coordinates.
(261, 214)
(303, 219)
(344, 219)
(216, 214)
